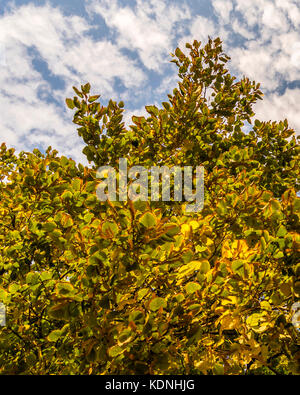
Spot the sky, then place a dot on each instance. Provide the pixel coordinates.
(122, 47)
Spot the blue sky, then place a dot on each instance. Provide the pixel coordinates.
(123, 49)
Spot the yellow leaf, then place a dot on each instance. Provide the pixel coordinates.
(265, 305)
(194, 225)
(202, 365)
(226, 250)
(229, 322)
(207, 341)
(185, 230)
(229, 300)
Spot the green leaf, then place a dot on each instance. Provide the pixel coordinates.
(238, 267)
(70, 103)
(93, 98)
(204, 266)
(67, 195)
(281, 231)
(278, 255)
(221, 208)
(266, 196)
(142, 293)
(111, 228)
(257, 123)
(77, 103)
(296, 207)
(148, 220)
(179, 53)
(171, 229)
(86, 88)
(58, 311)
(137, 316)
(65, 288)
(76, 184)
(46, 275)
(194, 306)
(77, 91)
(125, 336)
(49, 226)
(218, 369)
(140, 205)
(275, 205)
(64, 161)
(66, 221)
(166, 105)
(54, 335)
(13, 288)
(152, 110)
(157, 303)
(32, 278)
(192, 287)
(179, 297)
(114, 351)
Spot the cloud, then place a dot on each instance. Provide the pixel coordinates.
(199, 30)
(2, 55)
(270, 53)
(254, 61)
(273, 18)
(130, 61)
(291, 8)
(138, 112)
(28, 118)
(277, 108)
(168, 83)
(240, 27)
(147, 28)
(223, 9)
(61, 41)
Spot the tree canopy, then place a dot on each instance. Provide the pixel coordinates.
(134, 287)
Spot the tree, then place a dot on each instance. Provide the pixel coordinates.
(133, 287)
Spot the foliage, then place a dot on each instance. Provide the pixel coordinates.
(96, 287)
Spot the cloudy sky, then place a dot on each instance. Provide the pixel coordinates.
(122, 47)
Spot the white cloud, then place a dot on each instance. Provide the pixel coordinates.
(167, 84)
(254, 62)
(240, 27)
(61, 42)
(26, 116)
(250, 10)
(138, 112)
(277, 108)
(148, 28)
(295, 54)
(199, 30)
(2, 55)
(202, 27)
(223, 8)
(273, 18)
(271, 52)
(291, 7)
